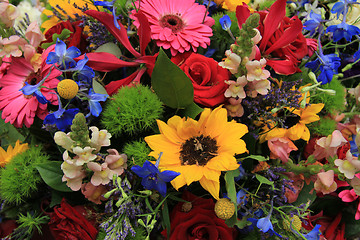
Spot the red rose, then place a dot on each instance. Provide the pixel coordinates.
(282, 42)
(7, 227)
(332, 228)
(206, 76)
(69, 223)
(77, 38)
(199, 222)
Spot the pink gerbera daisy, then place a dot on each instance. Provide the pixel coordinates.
(177, 25)
(20, 109)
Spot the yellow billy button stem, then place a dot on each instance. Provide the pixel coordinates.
(295, 223)
(224, 208)
(67, 88)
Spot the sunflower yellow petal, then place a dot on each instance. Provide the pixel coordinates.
(232, 146)
(204, 116)
(223, 162)
(306, 134)
(178, 182)
(160, 143)
(169, 132)
(215, 122)
(212, 174)
(188, 129)
(191, 173)
(295, 132)
(309, 113)
(213, 187)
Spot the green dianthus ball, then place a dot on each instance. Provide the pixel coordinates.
(137, 152)
(323, 127)
(20, 178)
(132, 110)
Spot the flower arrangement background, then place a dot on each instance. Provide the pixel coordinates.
(175, 119)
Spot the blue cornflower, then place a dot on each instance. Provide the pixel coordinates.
(314, 23)
(61, 118)
(62, 56)
(83, 72)
(152, 178)
(29, 89)
(327, 64)
(343, 30)
(109, 6)
(94, 102)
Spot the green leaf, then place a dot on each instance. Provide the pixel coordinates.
(231, 192)
(305, 195)
(166, 218)
(264, 180)
(52, 174)
(9, 134)
(258, 157)
(110, 47)
(65, 33)
(98, 88)
(191, 111)
(171, 84)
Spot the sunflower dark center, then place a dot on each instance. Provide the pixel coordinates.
(174, 22)
(198, 150)
(290, 119)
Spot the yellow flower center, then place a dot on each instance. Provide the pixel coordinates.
(198, 150)
(224, 208)
(295, 223)
(67, 88)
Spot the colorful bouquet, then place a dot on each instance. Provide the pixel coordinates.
(167, 119)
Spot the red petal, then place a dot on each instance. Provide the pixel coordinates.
(106, 62)
(289, 35)
(272, 20)
(242, 13)
(285, 67)
(113, 86)
(144, 31)
(332, 227)
(120, 35)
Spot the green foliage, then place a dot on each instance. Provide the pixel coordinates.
(52, 175)
(20, 179)
(9, 134)
(79, 130)
(65, 33)
(323, 127)
(333, 103)
(137, 152)
(171, 84)
(28, 224)
(140, 234)
(131, 111)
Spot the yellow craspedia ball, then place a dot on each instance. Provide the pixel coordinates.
(224, 208)
(295, 223)
(67, 88)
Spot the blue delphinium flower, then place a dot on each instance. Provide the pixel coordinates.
(152, 178)
(264, 224)
(314, 234)
(315, 23)
(225, 22)
(29, 89)
(343, 30)
(61, 118)
(241, 197)
(94, 102)
(341, 7)
(109, 6)
(327, 64)
(62, 56)
(83, 72)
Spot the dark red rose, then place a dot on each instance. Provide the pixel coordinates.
(310, 147)
(206, 76)
(197, 221)
(6, 227)
(332, 228)
(77, 38)
(70, 223)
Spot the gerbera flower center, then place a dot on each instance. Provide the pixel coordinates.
(174, 22)
(33, 79)
(198, 150)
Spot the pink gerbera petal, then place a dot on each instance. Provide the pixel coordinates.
(176, 25)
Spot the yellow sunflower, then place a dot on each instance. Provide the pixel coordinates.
(68, 7)
(199, 150)
(6, 156)
(298, 120)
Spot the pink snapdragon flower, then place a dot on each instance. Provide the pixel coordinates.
(281, 148)
(236, 88)
(8, 13)
(93, 193)
(83, 155)
(102, 173)
(258, 87)
(73, 174)
(327, 146)
(34, 34)
(11, 46)
(99, 138)
(116, 161)
(350, 196)
(256, 70)
(231, 62)
(348, 166)
(325, 182)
